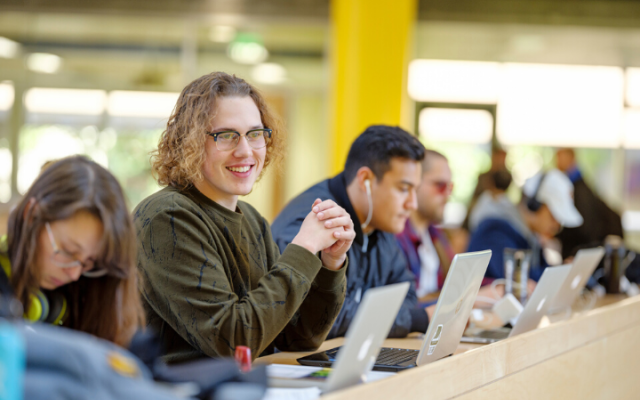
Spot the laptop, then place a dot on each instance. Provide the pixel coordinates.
(536, 308)
(368, 330)
(584, 263)
(446, 326)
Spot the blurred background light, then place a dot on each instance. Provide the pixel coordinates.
(454, 214)
(52, 143)
(525, 167)
(632, 89)
(8, 48)
(45, 63)
(561, 105)
(247, 48)
(269, 73)
(6, 95)
(454, 81)
(631, 221)
(6, 160)
(141, 104)
(65, 101)
(631, 128)
(222, 33)
(456, 125)
(527, 44)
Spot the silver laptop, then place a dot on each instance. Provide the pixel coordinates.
(445, 328)
(584, 263)
(536, 308)
(369, 328)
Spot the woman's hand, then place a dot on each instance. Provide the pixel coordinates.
(327, 228)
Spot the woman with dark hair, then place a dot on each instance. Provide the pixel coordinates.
(69, 252)
(212, 276)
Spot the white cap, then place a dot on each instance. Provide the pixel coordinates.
(556, 192)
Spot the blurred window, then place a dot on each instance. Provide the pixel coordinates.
(6, 97)
(141, 104)
(124, 152)
(454, 81)
(456, 125)
(632, 87)
(560, 105)
(631, 128)
(65, 101)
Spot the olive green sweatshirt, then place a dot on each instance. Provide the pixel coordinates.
(213, 279)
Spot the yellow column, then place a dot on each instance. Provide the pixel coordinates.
(369, 55)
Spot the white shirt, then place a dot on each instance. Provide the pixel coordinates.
(429, 265)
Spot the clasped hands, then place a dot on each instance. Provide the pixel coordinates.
(327, 228)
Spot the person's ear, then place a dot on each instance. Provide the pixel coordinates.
(364, 178)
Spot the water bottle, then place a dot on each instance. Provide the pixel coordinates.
(12, 362)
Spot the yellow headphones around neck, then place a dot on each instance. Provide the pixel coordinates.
(52, 309)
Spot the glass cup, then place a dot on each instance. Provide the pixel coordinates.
(516, 272)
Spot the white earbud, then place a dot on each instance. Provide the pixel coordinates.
(367, 186)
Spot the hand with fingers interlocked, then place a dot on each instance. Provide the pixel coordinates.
(327, 228)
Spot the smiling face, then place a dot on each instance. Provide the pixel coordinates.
(78, 237)
(232, 173)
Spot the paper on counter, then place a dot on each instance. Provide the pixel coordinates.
(292, 394)
(301, 371)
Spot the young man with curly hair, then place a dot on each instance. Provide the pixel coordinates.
(212, 275)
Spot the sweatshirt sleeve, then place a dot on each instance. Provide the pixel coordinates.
(187, 285)
(310, 325)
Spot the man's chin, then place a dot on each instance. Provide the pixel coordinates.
(244, 193)
(397, 228)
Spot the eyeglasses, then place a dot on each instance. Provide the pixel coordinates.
(228, 140)
(443, 187)
(62, 259)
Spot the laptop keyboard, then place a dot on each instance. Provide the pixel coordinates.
(332, 353)
(387, 356)
(391, 356)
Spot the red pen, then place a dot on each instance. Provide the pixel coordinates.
(243, 358)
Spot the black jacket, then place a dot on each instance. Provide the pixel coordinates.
(382, 264)
(599, 221)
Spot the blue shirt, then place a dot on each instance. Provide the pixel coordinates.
(498, 234)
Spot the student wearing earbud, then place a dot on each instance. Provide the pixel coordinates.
(378, 189)
(69, 253)
(546, 207)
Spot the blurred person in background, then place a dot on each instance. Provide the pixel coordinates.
(486, 180)
(494, 201)
(69, 254)
(426, 246)
(378, 189)
(212, 275)
(599, 219)
(546, 207)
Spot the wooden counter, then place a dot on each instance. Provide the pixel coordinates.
(594, 355)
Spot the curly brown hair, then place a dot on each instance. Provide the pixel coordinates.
(181, 151)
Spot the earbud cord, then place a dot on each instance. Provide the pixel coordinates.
(365, 237)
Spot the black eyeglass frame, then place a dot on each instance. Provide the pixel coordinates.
(215, 135)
